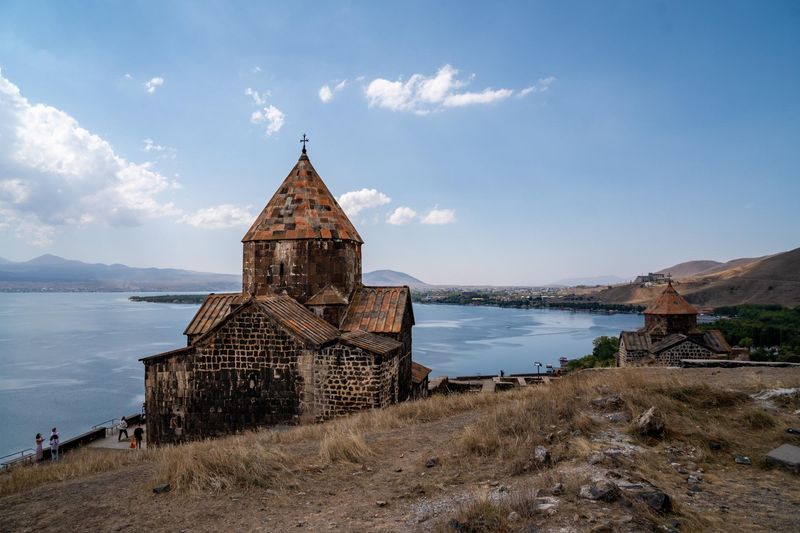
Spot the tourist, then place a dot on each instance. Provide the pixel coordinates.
(123, 428)
(39, 451)
(138, 433)
(54, 445)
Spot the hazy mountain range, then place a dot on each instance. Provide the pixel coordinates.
(391, 278)
(53, 273)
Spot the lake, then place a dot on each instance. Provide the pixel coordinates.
(71, 359)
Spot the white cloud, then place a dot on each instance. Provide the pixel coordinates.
(14, 191)
(423, 94)
(268, 114)
(151, 146)
(57, 173)
(220, 216)
(258, 99)
(541, 86)
(487, 96)
(153, 83)
(402, 215)
(128, 76)
(272, 116)
(256, 69)
(439, 216)
(354, 202)
(326, 92)
(164, 152)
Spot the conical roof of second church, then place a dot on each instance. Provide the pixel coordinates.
(302, 208)
(670, 303)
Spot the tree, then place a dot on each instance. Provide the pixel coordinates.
(605, 348)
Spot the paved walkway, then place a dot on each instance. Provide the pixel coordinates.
(111, 443)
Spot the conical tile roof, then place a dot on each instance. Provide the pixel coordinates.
(670, 303)
(302, 208)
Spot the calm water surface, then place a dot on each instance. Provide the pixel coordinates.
(71, 359)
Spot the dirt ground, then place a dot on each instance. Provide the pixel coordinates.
(395, 490)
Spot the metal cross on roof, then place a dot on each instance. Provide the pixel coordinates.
(304, 140)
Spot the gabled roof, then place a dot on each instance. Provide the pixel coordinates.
(635, 340)
(378, 309)
(670, 303)
(329, 295)
(215, 307)
(302, 208)
(370, 342)
(186, 350)
(668, 342)
(419, 372)
(715, 341)
(289, 313)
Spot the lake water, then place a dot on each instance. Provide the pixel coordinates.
(71, 359)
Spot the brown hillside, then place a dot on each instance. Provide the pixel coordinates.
(689, 268)
(773, 279)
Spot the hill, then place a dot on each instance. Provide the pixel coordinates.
(52, 273)
(560, 457)
(689, 268)
(391, 278)
(773, 279)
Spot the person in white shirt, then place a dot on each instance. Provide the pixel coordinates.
(54, 445)
(123, 428)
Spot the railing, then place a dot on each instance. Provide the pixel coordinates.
(22, 457)
(112, 425)
(97, 432)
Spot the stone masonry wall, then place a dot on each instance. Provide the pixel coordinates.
(245, 375)
(300, 267)
(404, 378)
(684, 350)
(389, 391)
(251, 373)
(631, 357)
(166, 384)
(670, 323)
(346, 379)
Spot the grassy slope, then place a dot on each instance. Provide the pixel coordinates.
(332, 476)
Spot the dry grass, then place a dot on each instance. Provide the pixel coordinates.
(484, 514)
(263, 458)
(240, 461)
(697, 411)
(71, 466)
(344, 446)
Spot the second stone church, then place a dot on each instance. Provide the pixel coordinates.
(305, 340)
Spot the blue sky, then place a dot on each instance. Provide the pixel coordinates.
(510, 143)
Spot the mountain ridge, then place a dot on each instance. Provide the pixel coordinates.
(53, 273)
(771, 279)
(50, 272)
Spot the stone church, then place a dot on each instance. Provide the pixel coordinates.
(305, 340)
(670, 334)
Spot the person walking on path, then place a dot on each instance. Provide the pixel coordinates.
(39, 451)
(123, 428)
(138, 433)
(54, 445)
